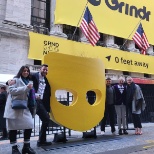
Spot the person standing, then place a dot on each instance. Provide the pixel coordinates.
(19, 119)
(135, 103)
(120, 105)
(3, 97)
(109, 108)
(43, 93)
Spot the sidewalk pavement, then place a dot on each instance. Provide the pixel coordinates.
(131, 143)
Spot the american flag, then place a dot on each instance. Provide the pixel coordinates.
(89, 28)
(141, 40)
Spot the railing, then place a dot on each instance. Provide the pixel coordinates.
(41, 30)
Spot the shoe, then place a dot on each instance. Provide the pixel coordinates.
(114, 133)
(102, 132)
(120, 132)
(125, 132)
(3, 138)
(27, 149)
(39, 144)
(139, 131)
(15, 149)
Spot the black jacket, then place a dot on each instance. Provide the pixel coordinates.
(47, 91)
(120, 98)
(3, 97)
(107, 95)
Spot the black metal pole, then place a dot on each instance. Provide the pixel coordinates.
(130, 34)
(79, 20)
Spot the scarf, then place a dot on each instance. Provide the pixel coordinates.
(31, 94)
(130, 92)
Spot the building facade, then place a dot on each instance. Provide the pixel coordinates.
(19, 17)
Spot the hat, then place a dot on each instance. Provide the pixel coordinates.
(108, 78)
(2, 87)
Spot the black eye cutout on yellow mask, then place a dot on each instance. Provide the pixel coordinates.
(76, 75)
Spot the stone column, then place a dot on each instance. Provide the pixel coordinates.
(14, 38)
(83, 37)
(109, 41)
(18, 11)
(56, 30)
(150, 51)
(130, 45)
(2, 10)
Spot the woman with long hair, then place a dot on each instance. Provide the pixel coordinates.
(19, 119)
(135, 103)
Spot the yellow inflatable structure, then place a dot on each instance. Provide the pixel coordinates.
(77, 75)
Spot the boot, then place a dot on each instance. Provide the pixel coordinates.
(15, 150)
(125, 132)
(27, 149)
(120, 132)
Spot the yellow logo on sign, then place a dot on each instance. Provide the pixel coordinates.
(128, 9)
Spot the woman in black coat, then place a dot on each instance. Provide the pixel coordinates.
(3, 97)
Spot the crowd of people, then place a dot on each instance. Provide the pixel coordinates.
(122, 99)
(35, 89)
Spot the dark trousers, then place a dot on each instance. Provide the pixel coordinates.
(3, 122)
(13, 135)
(109, 111)
(45, 118)
(136, 120)
(4, 130)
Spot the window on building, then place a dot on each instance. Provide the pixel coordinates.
(37, 62)
(147, 75)
(100, 42)
(106, 70)
(40, 15)
(126, 73)
(118, 41)
(69, 31)
(136, 46)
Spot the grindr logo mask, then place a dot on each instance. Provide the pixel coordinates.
(77, 75)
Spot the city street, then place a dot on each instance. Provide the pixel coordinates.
(103, 144)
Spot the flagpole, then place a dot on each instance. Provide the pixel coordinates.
(79, 20)
(130, 34)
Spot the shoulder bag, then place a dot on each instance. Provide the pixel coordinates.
(19, 104)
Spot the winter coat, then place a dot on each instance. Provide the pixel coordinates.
(18, 91)
(138, 96)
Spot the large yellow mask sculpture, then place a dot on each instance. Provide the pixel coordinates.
(77, 75)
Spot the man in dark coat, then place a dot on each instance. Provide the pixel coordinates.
(3, 97)
(109, 108)
(43, 93)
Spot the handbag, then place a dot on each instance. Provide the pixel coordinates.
(19, 104)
